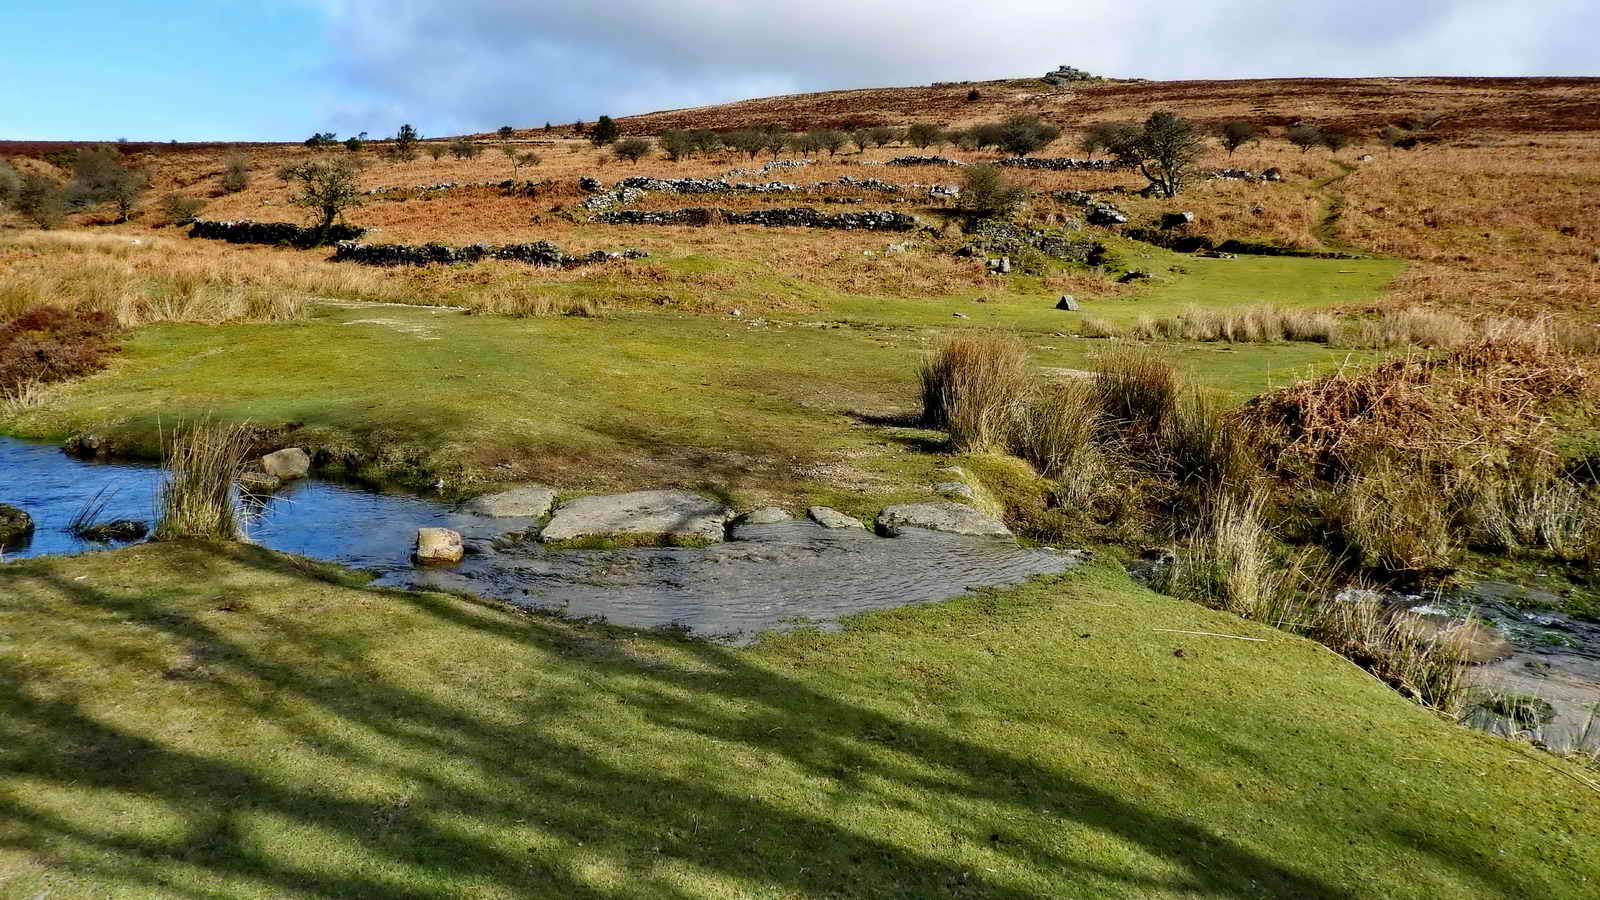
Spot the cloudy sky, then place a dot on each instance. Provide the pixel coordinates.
(280, 69)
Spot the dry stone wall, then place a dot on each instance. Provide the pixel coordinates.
(538, 253)
(245, 231)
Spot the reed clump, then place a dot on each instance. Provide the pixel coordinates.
(198, 495)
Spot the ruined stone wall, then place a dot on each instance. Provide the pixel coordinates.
(245, 231)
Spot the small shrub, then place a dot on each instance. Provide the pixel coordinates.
(181, 209)
(974, 386)
(202, 466)
(1305, 137)
(605, 131)
(633, 149)
(462, 148)
(987, 192)
(1227, 564)
(1392, 517)
(235, 173)
(41, 200)
(1138, 390)
(1237, 134)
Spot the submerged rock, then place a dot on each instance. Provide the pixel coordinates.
(950, 518)
(532, 502)
(438, 547)
(828, 517)
(117, 531)
(16, 526)
(287, 464)
(667, 516)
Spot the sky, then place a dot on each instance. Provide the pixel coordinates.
(282, 69)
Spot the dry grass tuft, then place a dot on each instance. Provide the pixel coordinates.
(975, 386)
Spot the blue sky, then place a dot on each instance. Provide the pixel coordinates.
(280, 69)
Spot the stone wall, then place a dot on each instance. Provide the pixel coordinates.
(538, 253)
(1061, 163)
(792, 217)
(245, 231)
(915, 160)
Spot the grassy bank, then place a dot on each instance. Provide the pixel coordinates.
(201, 720)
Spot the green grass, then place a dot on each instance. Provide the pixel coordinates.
(220, 721)
(757, 410)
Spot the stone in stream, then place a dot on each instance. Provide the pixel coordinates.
(531, 502)
(259, 482)
(950, 518)
(287, 464)
(438, 547)
(671, 517)
(766, 515)
(15, 526)
(828, 517)
(119, 530)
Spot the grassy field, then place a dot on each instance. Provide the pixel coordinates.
(784, 407)
(193, 720)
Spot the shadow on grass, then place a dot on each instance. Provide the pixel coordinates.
(518, 760)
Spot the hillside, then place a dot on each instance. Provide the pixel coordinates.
(1470, 105)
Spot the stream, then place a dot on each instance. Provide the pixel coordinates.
(766, 578)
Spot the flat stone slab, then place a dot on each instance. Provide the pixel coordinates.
(950, 518)
(531, 502)
(766, 515)
(828, 517)
(671, 515)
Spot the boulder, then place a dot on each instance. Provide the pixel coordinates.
(16, 526)
(287, 464)
(766, 515)
(670, 516)
(1272, 175)
(1068, 303)
(1177, 220)
(828, 517)
(259, 482)
(438, 547)
(530, 502)
(950, 518)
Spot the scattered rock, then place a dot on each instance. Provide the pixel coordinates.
(766, 515)
(1000, 266)
(438, 547)
(958, 315)
(531, 502)
(1272, 175)
(951, 518)
(1135, 275)
(1177, 220)
(87, 445)
(1365, 157)
(16, 526)
(121, 530)
(287, 464)
(1102, 213)
(669, 516)
(1068, 303)
(828, 517)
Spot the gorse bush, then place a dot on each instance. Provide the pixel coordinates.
(180, 208)
(198, 497)
(987, 192)
(633, 149)
(100, 177)
(235, 173)
(974, 386)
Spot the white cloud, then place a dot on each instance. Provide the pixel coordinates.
(474, 64)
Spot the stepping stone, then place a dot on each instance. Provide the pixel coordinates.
(828, 517)
(438, 547)
(531, 502)
(667, 516)
(950, 518)
(766, 515)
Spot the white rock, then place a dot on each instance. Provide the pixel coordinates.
(287, 464)
(438, 547)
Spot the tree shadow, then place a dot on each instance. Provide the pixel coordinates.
(482, 761)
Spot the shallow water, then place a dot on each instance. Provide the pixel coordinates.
(768, 577)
